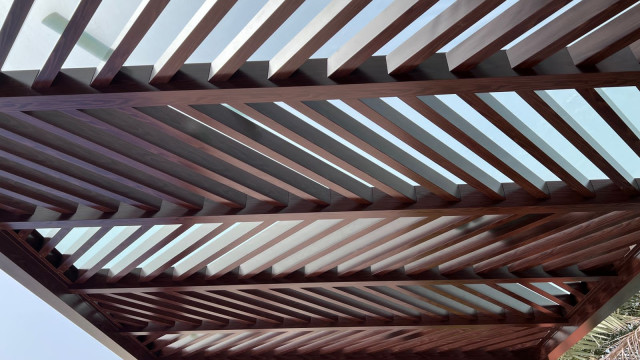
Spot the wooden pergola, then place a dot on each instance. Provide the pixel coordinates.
(234, 210)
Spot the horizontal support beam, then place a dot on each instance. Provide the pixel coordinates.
(608, 197)
(369, 324)
(130, 88)
(130, 284)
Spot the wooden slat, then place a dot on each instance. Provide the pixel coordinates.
(580, 256)
(93, 168)
(560, 223)
(568, 248)
(439, 31)
(330, 149)
(445, 248)
(620, 32)
(60, 176)
(241, 239)
(220, 180)
(429, 145)
(11, 26)
(82, 249)
(132, 33)
(251, 37)
(94, 147)
(313, 36)
(166, 263)
(500, 116)
(188, 40)
(67, 41)
(555, 239)
(369, 246)
(104, 260)
(581, 140)
(461, 129)
(305, 260)
(377, 145)
(499, 32)
(374, 35)
(298, 247)
(236, 161)
(114, 276)
(564, 29)
(260, 139)
(611, 117)
(35, 199)
(481, 241)
(256, 251)
(63, 194)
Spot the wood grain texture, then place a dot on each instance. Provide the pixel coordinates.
(445, 27)
(374, 35)
(12, 25)
(188, 40)
(505, 120)
(544, 42)
(313, 36)
(461, 129)
(499, 32)
(551, 111)
(620, 32)
(251, 37)
(597, 100)
(376, 145)
(67, 41)
(141, 20)
(311, 83)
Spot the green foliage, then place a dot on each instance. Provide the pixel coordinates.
(604, 338)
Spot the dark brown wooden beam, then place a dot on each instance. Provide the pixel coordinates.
(131, 284)
(396, 324)
(608, 39)
(564, 29)
(130, 87)
(499, 32)
(562, 200)
(141, 21)
(439, 31)
(251, 37)
(11, 26)
(67, 41)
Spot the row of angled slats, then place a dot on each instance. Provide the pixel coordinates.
(497, 33)
(360, 306)
(377, 245)
(332, 341)
(211, 154)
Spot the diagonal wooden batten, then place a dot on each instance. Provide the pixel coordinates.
(67, 41)
(374, 35)
(133, 32)
(555, 35)
(551, 111)
(311, 38)
(500, 31)
(192, 35)
(251, 37)
(608, 39)
(445, 27)
(12, 25)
